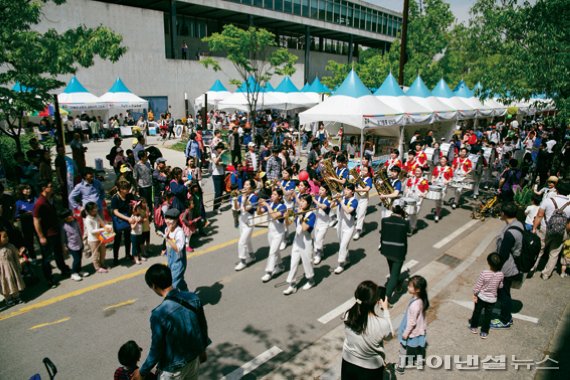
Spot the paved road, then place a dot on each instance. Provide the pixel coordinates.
(80, 326)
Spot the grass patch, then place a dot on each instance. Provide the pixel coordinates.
(180, 146)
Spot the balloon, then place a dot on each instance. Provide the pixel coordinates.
(303, 175)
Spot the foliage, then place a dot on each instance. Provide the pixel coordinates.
(530, 44)
(36, 60)
(8, 149)
(254, 54)
(428, 37)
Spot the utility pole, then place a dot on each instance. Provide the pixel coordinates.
(403, 42)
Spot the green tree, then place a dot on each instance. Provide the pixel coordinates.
(35, 59)
(254, 53)
(524, 48)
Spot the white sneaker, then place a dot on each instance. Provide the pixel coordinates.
(436, 218)
(290, 290)
(76, 277)
(339, 269)
(278, 270)
(309, 285)
(454, 206)
(283, 245)
(317, 260)
(266, 277)
(241, 265)
(563, 274)
(84, 274)
(379, 246)
(356, 235)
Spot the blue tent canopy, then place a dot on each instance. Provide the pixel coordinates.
(268, 87)
(419, 89)
(317, 86)
(463, 91)
(442, 90)
(74, 86)
(119, 86)
(218, 86)
(390, 87)
(18, 87)
(286, 86)
(249, 84)
(352, 86)
(306, 87)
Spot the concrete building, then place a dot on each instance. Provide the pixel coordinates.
(162, 65)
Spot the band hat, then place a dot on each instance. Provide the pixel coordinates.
(552, 178)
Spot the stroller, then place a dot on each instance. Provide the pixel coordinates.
(51, 370)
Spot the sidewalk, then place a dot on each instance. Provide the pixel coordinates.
(539, 328)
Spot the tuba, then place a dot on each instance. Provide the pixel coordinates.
(357, 179)
(383, 187)
(327, 172)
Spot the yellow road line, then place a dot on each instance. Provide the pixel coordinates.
(49, 323)
(78, 292)
(120, 304)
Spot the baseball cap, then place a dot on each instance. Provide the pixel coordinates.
(172, 213)
(552, 178)
(251, 144)
(119, 150)
(160, 159)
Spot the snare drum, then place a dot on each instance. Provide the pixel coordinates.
(410, 205)
(435, 193)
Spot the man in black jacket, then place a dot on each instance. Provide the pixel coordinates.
(394, 244)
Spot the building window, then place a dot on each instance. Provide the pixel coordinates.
(287, 6)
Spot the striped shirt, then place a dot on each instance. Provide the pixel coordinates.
(488, 284)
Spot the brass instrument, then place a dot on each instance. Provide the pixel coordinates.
(357, 179)
(383, 187)
(329, 172)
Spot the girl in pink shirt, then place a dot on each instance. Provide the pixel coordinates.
(412, 331)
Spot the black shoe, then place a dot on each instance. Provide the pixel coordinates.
(52, 284)
(115, 262)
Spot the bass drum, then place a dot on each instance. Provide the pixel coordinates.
(435, 193)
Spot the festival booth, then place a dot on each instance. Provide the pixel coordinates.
(290, 97)
(355, 109)
(442, 92)
(120, 98)
(215, 95)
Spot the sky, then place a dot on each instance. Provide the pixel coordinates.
(460, 8)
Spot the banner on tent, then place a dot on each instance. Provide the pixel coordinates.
(84, 106)
(383, 120)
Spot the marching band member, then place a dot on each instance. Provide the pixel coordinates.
(441, 176)
(287, 184)
(416, 187)
(362, 195)
(346, 223)
(342, 176)
(247, 203)
(411, 164)
(461, 166)
(366, 163)
(394, 180)
(421, 156)
(322, 224)
(302, 246)
(276, 230)
(394, 160)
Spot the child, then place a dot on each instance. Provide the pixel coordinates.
(412, 331)
(11, 281)
(24, 209)
(129, 356)
(530, 212)
(93, 226)
(323, 205)
(302, 246)
(485, 294)
(137, 218)
(175, 252)
(73, 243)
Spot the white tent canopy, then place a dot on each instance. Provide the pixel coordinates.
(75, 97)
(120, 97)
(419, 92)
(215, 95)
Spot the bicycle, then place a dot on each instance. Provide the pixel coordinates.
(490, 207)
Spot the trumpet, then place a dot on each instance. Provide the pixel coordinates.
(383, 187)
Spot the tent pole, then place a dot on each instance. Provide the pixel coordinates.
(362, 144)
(401, 141)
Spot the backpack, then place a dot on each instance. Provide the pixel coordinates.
(529, 250)
(556, 225)
(158, 216)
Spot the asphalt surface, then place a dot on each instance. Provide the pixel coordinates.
(256, 330)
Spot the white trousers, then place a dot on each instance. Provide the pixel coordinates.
(319, 235)
(274, 258)
(244, 244)
(361, 213)
(344, 233)
(413, 218)
(303, 254)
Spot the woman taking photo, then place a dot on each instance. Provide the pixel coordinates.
(363, 356)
